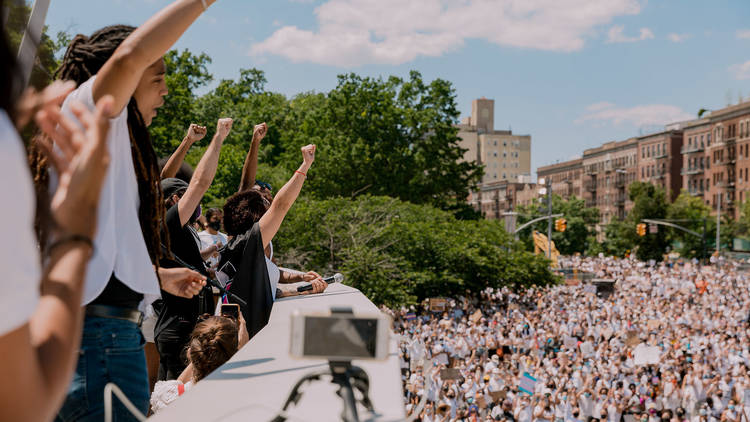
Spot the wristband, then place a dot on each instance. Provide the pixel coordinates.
(73, 238)
(297, 171)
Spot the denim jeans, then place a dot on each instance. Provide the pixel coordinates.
(111, 351)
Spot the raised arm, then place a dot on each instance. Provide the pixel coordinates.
(194, 134)
(271, 220)
(121, 73)
(250, 168)
(39, 356)
(204, 173)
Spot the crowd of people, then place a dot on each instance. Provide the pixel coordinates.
(670, 344)
(106, 256)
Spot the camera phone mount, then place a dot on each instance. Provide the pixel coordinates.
(345, 375)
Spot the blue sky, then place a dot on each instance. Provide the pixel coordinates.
(571, 73)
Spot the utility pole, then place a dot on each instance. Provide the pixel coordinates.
(718, 225)
(547, 189)
(32, 36)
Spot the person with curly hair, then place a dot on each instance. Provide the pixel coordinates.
(214, 340)
(252, 220)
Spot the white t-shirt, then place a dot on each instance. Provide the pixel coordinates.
(119, 244)
(19, 255)
(208, 239)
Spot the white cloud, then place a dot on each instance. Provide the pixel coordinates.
(741, 71)
(743, 34)
(678, 37)
(640, 115)
(356, 32)
(616, 35)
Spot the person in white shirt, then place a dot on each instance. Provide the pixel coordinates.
(212, 240)
(126, 63)
(41, 325)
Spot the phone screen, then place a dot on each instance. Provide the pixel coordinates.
(339, 336)
(231, 310)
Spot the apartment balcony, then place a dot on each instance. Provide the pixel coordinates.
(620, 182)
(620, 200)
(725, 184)
(696, 192)
(660, 155)
(660, 175)
(691, 171)
(691, 149)
(591, 186)
(591, 170)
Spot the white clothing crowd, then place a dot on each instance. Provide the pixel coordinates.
(669, 345)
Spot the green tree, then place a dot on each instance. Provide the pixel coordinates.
(581, 222)
(691, 212)
(619, 238)
(650, 202)
(47, 48)
(391, 137)
(186, 72)
(399, 253)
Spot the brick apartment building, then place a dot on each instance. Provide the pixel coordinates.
(705, 157)
(715, 157)
(566, 178)
(608, 170)
(659, 161)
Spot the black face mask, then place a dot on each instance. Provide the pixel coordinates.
(214, 225)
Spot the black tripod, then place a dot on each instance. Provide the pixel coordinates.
(348, 378)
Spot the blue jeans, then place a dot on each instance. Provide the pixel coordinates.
(111, 351)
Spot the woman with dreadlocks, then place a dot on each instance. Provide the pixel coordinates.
(126, 63)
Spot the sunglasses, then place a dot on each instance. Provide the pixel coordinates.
(263, 185)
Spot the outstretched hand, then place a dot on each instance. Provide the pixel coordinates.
(81, 162)
(32, 101)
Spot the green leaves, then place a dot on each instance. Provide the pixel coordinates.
(398, 253)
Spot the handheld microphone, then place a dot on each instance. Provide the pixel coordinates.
(336, 278)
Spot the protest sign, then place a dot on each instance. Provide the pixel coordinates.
(646, 355)
(450, 374)
(476, 316)
(527, 384)
(570, 342)
(498, 396)
(587, 349)
(442, 358)
(438, 304)
(632, 339)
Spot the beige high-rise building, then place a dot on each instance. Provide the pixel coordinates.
(504, 155)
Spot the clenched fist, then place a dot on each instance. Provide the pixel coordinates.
(223, 127)
(259, 132)
(308, 154)
(195, 133)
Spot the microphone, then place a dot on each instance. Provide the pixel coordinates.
(336, 278)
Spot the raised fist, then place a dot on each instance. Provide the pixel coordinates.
(259, 131)
(223, 127)
(308, 154)
(195, 133)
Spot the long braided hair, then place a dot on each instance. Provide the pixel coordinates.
(83, 59)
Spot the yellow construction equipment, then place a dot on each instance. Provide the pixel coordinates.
(541, 245)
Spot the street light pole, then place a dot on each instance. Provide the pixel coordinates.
(32, 37)
(718, 225)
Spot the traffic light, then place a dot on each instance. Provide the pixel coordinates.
(641, 229)
(561, 224)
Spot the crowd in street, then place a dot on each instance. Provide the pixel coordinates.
(670, 344)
